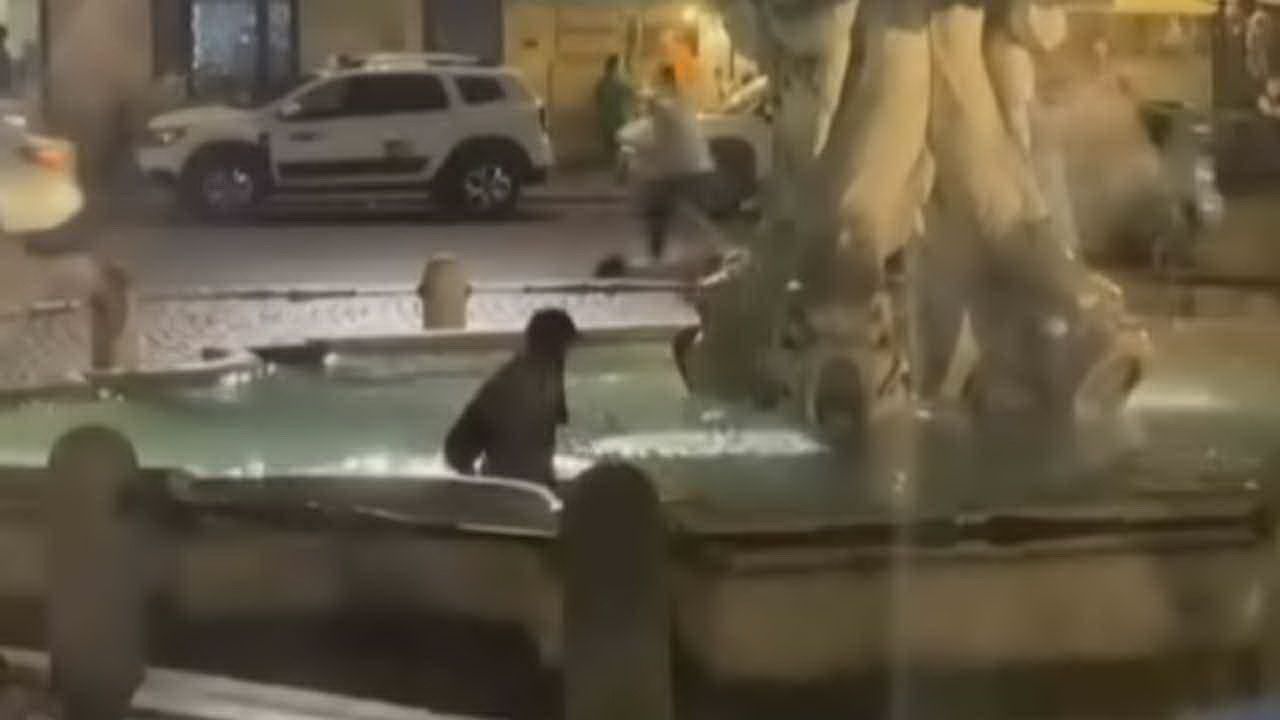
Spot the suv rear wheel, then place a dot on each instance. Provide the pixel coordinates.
(483, 184)
(224, 184)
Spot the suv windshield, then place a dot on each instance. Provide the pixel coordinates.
(274, 94)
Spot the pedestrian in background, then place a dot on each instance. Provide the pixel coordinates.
(678, 160)
(1259, 42)
(614, 100)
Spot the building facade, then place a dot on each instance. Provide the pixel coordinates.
(98, 68)
(95, 69)
(98, 89)
(245, 50)
(562, 47)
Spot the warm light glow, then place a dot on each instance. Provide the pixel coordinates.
(689, 14)
(48, 157)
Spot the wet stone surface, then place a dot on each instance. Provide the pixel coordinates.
(40, 350)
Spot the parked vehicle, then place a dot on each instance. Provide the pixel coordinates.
(1247, 146)
(1160, 196)
(470, 135)
(1185, 141)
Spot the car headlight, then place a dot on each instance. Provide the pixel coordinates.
(165, 135)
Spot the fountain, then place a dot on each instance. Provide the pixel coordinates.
(914, 206)
(924, 441)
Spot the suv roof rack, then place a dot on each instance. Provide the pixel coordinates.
(388, 59)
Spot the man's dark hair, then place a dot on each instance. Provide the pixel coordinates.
(611, 62)
(550, 332)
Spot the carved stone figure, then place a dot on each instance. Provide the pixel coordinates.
(916, 239)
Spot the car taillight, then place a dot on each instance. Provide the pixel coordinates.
(50, 158)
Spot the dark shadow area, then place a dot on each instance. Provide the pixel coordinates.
(477, 669)
(329, 213)
(448, 666)
(1169, 686)
(451, 666)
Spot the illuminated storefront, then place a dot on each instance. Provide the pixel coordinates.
(1160, 49)
(562, 47)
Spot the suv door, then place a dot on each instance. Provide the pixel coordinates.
(360, 130)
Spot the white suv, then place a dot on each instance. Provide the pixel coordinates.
(471, 135)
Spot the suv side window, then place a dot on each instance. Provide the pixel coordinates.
(389, 94)
(323, 101)
(479, 89)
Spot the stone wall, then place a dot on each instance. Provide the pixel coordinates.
(326, 27)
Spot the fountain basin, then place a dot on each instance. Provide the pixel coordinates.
(318, 491)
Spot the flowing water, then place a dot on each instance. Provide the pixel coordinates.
(1207, 418)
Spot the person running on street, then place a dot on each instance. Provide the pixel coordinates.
(679, 160)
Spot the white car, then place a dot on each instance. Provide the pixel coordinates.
(38, 186)
(470, 135)
(740, 137)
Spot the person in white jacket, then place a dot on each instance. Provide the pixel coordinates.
(678, 160)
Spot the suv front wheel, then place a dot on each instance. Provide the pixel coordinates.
(224, 184)
(482, 185)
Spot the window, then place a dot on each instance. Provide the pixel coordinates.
(386, 94)
(480, 89)
(238, 51)
(325, 100)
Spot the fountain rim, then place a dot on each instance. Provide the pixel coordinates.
(1237, 518)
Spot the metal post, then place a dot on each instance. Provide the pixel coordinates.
(95, 577)
(113, 337)
(444, 291)
(616, 615)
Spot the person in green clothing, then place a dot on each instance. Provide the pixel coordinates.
(614, 96)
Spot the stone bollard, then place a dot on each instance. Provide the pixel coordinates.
(94, 559)
(113, 336)
(616, 614)
(444, 291)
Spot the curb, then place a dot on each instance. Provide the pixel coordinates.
(558, 198)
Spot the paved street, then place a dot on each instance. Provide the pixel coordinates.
(314, 248)
(1246, 246)
(367, 247)
(382, 246)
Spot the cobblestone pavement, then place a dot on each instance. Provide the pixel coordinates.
(49, 348)
(43, 349)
